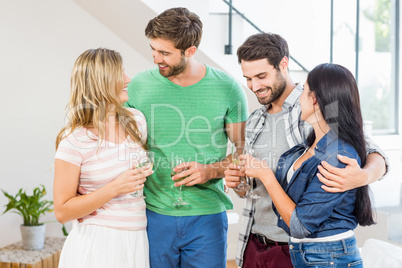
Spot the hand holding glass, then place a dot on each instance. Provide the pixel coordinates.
(143, 159)
(251, 193)
(175, 161)
(237, 150)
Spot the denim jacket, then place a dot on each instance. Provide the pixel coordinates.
(318, 213)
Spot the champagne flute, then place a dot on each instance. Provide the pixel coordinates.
(175, 161)
(143, 158)
(248, 150)
(238, 149)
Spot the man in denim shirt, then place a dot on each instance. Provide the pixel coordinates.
(271, 130)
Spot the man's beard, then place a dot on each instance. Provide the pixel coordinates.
(174, 70)
(276, 91)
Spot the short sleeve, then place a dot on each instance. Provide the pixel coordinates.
(238, 106)
(69, 151)
(139, 118)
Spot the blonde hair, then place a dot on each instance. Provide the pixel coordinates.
(96, 80)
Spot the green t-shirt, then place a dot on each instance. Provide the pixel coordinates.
(189, 122)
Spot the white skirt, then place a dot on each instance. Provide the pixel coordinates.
(98, 246)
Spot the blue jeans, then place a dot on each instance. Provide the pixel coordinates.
(342, 253)
(187, 241)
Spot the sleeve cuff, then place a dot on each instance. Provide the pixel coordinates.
(371, 147)
(297, 230)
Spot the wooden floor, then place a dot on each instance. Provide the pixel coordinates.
(231, 264)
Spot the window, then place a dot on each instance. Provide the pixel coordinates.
(315, 38)
(378, 64)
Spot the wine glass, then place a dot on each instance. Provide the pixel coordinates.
(175, 161)
(248, 150)
(238, 148)
(143, 158)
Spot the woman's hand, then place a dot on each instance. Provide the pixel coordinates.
(256, 168)
(131, 180)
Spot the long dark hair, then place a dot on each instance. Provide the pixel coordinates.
(337, 95)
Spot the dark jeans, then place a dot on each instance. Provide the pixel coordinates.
(258, 255)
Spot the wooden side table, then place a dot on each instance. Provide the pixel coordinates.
(13, 256)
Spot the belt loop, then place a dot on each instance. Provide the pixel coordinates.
(345, 249)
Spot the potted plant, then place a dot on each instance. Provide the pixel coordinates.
(30, 207)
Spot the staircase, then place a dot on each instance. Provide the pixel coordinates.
(128, 19)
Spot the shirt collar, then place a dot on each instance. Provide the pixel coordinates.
(289, 101)
(293, 97)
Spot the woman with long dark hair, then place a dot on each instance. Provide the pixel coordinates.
(321, 224)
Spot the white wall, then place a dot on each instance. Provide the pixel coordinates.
(40, 41)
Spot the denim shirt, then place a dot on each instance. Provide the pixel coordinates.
(318, 213)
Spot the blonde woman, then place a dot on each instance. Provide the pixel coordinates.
(94, 151)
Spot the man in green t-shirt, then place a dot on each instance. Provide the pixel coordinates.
(191, 110)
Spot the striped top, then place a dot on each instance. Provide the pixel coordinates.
(101, 165)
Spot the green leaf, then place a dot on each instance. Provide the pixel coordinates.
(30, 207)
(65, 233)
